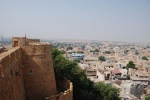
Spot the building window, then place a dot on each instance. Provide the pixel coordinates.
(30, 72)
(17, 73)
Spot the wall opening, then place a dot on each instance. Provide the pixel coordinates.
(15, 43)
(30, 72)
(17, 73)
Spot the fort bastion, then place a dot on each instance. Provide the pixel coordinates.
(26, 73)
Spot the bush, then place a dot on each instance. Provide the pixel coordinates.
(77, 60)
(107, 52)
(147, 98)
(144, 58)
(131, 65)
(136, 52)
(69, 48)
(96, 50)
(101, 58)
(63, 51)
(126, 51)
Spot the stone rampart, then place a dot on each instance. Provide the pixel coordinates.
(38, 71)
(27, 73)
(11, 75)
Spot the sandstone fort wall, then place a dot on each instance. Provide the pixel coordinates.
(38, 71)
(11, 77)
(27, 73)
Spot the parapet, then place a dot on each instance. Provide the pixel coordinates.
(33, 40)
(39, 43)
(22, 41)
(7, 59)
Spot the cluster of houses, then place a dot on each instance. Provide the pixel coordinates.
(133, 83)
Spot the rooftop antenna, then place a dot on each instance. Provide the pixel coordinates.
(25, 39)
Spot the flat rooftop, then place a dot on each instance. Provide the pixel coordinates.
(39, 43)
(141, 73)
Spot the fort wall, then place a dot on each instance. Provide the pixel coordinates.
(11, 75)
(26, 73)
(38, 71)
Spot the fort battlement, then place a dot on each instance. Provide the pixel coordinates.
(9, 59)
(26, 72)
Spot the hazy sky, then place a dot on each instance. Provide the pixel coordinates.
(114, 20)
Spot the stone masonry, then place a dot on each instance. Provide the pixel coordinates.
(26, 72)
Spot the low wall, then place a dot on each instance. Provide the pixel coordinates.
(67, 94)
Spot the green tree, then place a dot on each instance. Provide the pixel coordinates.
(126, 51)
(69, 48)
(55, 53)
(107, 52)
(132, 48)
(77, 60)
(91, 50)
(101, 58)
(105, 92)
(136, 52)
(96, 50)
(144, 58)
(63, 51)
(131, 65)
(147, 98)
(80, 52)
